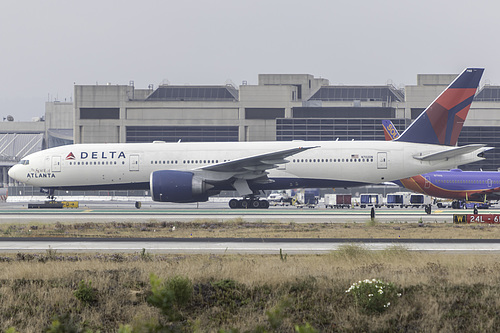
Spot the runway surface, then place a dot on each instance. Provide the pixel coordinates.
(108, 212)
(240, 245)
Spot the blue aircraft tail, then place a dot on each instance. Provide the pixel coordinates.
(442, 121)
(390, 132)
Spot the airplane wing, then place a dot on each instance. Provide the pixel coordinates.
(240, 170)
(456, 151)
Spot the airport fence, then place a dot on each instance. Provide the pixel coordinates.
(30, 191)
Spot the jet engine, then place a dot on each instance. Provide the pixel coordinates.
(177, 186)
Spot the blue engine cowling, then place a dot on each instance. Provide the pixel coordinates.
(177, 186)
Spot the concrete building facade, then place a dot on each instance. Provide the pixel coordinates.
(279, 107)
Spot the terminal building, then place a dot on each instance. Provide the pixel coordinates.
(280, 107)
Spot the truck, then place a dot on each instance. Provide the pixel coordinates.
(459, 204)
(447, 203)
(281, 198)
(338, 200)
(371, 200)
(401, 199)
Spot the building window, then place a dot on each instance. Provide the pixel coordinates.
(99, 113)
(183, 133)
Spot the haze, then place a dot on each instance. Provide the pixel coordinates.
(48, 46)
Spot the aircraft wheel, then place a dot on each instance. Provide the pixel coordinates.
(264, 204)
(234, 203)
(245, 203)
(255, 203)
(138, 204)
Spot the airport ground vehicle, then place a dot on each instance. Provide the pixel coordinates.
(419, 200)
(279, 198)
(371, 200)
(398, 199)
(306, 198)
(338, 200)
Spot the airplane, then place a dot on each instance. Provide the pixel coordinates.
(192, 172)
(478, 186)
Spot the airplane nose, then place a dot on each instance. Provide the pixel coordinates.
(14, 172)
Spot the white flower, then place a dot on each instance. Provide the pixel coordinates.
(370, 295)
(399, 294)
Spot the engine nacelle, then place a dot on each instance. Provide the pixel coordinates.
(177, 186)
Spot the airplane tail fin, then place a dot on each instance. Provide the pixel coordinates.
(443, 120)
(390, 132)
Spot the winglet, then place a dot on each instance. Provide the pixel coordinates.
(443, 120)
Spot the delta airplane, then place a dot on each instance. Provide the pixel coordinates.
(191, 172)
(454, 184)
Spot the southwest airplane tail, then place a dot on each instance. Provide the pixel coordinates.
(443, 120)
(390, 132)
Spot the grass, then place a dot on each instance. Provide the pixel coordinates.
(238, 228)
(458, 293)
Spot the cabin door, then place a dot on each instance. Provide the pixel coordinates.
(490, 183)
(134, 162)
(427, 183)
(56, 164)
(382, 160)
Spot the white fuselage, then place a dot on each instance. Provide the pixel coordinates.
(129, 165)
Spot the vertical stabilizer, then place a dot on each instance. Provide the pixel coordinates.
(443, 120)
(390, 131)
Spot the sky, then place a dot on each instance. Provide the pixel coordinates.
(49, 46)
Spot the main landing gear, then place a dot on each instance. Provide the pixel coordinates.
(248, 202)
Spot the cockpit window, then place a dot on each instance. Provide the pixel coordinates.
(24, 162)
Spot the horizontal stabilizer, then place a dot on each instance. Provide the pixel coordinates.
(449, 153)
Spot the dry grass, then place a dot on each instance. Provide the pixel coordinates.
(448, 293)
(240, 229)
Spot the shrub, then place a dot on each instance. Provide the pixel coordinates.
(85, 293)
(170, 295)
(373, 296)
